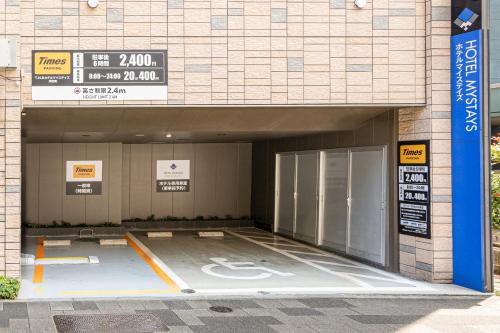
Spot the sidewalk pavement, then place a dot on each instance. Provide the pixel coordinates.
(304, 315)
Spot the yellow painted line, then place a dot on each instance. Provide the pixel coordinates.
(114, 292)
(161, 274)
(38, 270)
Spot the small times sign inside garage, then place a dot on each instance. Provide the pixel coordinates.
(414, 188)
(99, 75)
(83, 177)
(172, 176)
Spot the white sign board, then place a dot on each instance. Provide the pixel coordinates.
(172, 175)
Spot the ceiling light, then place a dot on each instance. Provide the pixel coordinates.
(169, 135)
(360, 3)
(93, 3)
(23, 113)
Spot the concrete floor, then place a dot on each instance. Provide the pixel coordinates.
(244, 262)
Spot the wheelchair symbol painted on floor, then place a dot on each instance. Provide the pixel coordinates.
(261, 272)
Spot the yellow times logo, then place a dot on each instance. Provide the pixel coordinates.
(84, 171)
(52, 63)
(412, 154)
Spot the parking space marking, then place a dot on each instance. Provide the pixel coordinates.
(158, 266)
(38, 269)
(139, 292)
(355, 278)
(241, 266)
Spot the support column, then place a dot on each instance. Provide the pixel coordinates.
(10, 148)
(420, 258)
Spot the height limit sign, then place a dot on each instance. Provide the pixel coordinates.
(414, 188)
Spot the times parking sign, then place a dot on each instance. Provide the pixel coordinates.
(99, 75)
(414, 188)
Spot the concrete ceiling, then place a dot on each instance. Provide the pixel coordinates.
(186, 124)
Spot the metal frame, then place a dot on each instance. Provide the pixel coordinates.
(320, 195)
(384, 214)
(297, 154)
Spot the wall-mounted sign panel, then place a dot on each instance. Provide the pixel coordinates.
(414, 188)
(172, 175)
(83, 177)
(99, 75)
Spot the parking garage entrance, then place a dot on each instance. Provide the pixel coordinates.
(124, 202)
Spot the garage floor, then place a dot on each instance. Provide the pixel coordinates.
(245, 261)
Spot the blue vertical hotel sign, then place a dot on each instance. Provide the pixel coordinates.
(467, 145)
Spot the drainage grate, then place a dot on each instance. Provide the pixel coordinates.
(221, 309)
(108, 323)
(188, 291)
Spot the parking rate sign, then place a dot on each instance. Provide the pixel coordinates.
(414, 188)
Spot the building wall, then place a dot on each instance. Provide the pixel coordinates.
(248, 52)
(431, 259)
(45, 198)
(377, 131)
(219, 186)
(495, 43)
(220, 180)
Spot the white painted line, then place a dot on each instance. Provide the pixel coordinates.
(283, 244)
(395, 276)
(349, 276)
(56, 242)
(160, 234)
(311, 290)
(62, 261)
(180, 282)
(308, 253)
(210, 234)
(113, 242)
(306, 262)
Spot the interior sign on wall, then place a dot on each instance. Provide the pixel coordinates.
(172, 176)
(99, 75)
(83, 177)
(414, 188)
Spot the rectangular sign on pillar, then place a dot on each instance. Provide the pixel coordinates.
(467, 145)
(414, 188)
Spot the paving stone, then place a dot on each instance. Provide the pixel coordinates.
(300, 312)
(110, 307)
(199, 304)
(177, 305)
(131, 305)
(236, 304)
(384, 319)
(62, 305)
(179, 329)
(84, 306)
(15, 310)
(292, 303)
(154, 305)
(42, 326)
(19, 325)
(324, 303)
(167, 317)
(294, 329)
(38, 310)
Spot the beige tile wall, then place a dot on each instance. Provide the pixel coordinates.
(10, 150)
(421, 258)
(249, 52)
